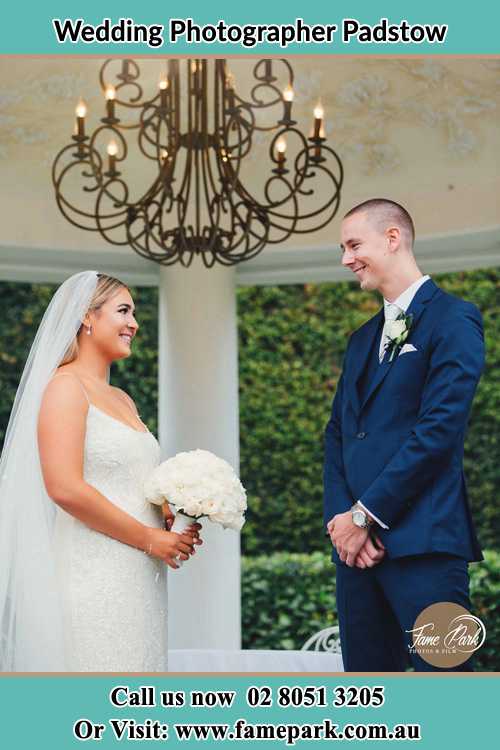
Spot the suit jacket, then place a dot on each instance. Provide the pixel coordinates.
(399, 447)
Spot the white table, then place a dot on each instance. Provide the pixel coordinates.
(206, 660)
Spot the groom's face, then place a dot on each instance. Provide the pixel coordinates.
(365, 251)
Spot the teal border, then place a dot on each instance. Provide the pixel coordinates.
(472, 30)
(455, 711)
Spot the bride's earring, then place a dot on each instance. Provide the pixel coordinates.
(89, 330)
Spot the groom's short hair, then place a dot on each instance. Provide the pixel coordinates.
(386, 212)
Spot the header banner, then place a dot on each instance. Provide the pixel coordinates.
(341, 28)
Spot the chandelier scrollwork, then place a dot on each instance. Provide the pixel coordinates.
(198, 132)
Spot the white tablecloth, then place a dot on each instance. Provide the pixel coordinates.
(205, 660)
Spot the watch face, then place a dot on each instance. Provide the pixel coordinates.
(359, 517)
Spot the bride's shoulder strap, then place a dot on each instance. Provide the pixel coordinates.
(58, 374)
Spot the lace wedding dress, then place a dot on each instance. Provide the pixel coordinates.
(114, 595)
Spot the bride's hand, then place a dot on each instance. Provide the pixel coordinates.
(167, 515)
(194, 531)
(167, 545)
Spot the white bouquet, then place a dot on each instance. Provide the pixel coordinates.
(198, 484)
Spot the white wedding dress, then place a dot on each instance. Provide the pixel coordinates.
(114, 595)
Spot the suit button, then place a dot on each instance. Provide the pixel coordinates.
(361, 435)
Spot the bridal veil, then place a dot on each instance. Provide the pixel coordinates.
(31, 615)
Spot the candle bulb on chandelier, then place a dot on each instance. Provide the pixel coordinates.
(125, 70)
(112, 152)
(230, 82)
(281, 148)
(81, 111)
(318, 119)
(163, 157)
(110, 95)
(288, 95)
(163, 86)
(317, 148)
(80, 152)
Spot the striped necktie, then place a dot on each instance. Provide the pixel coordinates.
(391, 313)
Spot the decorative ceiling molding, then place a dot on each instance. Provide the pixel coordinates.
(439, 97)
(368, 104)
(438, 254)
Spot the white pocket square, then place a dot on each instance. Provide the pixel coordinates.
(407, 348)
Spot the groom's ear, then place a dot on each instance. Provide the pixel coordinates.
(393, 236)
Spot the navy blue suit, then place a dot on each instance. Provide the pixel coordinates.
(395, 442)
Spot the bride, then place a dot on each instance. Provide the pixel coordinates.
(82, 555)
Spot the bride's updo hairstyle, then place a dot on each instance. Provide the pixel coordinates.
(107, 286)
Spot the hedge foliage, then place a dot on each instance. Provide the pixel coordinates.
(291, 343)
(287, 597)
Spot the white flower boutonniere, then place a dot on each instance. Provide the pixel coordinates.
(397, 333)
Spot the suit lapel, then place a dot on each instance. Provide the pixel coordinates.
(366, 340)
(416, 308)
(420, 301)
(380, 374)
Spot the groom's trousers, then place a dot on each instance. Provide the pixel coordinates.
(377, 605)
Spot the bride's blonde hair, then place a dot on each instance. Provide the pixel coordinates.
(107, 286)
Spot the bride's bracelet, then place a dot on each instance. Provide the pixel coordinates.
(150, 547)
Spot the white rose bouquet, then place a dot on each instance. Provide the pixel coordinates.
(198, 484)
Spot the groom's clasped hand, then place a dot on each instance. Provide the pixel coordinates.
(355, 546)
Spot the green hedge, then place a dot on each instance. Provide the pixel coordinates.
(289, 596)
(291, 343)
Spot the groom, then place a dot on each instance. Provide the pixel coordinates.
(395, 500)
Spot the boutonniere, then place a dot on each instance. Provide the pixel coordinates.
(397, 332)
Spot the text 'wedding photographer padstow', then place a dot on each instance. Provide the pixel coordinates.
(126, 30)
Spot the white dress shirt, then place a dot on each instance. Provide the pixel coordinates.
(403, 302)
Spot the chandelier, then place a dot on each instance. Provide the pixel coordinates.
(197, 133)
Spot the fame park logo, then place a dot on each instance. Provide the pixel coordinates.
(446, 634)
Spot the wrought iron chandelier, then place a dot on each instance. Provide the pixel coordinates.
(197, 131)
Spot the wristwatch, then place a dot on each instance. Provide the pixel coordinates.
(360, 517)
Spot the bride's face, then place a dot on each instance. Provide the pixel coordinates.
(114, 325)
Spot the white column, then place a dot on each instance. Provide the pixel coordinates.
(198, 408)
